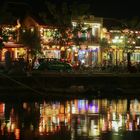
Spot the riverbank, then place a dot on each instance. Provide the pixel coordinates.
(69, 85)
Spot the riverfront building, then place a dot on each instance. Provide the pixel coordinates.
(93, 44)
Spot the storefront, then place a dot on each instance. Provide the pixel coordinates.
(16, 51)
(89, 55)
(135, 57)
(51, 52)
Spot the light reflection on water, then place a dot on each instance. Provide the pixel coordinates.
(98, 119)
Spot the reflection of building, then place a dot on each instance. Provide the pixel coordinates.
(91, 118)
(2, 109)
(82, 118)
(53, 116)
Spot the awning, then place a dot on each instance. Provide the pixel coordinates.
(12, 45)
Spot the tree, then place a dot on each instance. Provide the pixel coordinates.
(8, 60)
(1, 43)
(104, 45)
(130, 43)
(31, 39)
(63, 12)
(5, 15)
(132, 24)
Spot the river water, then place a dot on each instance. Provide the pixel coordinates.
(72, 119)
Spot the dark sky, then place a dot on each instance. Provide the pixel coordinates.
(107, 8)
(102, 8)
(116, 8)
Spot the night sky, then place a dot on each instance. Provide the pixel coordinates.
(102, 8)
(116, 8)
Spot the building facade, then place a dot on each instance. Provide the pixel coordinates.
(82, 42)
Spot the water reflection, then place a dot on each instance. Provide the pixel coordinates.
(100, 119)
